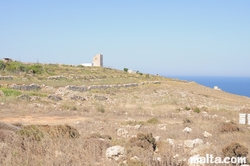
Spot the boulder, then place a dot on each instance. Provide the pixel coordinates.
(115, 153)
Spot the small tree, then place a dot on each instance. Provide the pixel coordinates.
(125, 69)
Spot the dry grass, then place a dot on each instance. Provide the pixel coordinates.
(161, 109)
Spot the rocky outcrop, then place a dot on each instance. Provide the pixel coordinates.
(115, 153)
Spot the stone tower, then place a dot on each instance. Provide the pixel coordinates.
(98, 60)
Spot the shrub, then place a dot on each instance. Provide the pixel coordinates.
(187, 108)
(235, 150)
(131, 162)
(197, 110)
(16, 67)
(32, 132)
(153, 121)
(60, 131)
(2, 65)
(37, 69)
(186, 120)
(229, 127)
(145, 141)
(100, 108)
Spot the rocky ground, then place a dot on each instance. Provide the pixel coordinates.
(96, 116)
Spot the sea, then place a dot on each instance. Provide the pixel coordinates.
(235, 85)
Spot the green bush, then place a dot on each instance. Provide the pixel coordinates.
(125, 69)
(16, 67)
(37, 69)
(197, 110)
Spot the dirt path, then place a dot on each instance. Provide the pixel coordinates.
(50, 120)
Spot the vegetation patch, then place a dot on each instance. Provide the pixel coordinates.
(145, 141)
(187, 120)
(235, 150)
(197, 110)
(32, 132)
(10, 92)
(38, 132)
(60, 131)
(153, 121)
(229, 127)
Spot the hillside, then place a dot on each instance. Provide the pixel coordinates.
(53, 114)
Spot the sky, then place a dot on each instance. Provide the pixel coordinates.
(166, 37)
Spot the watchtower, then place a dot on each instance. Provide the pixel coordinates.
(98, 60)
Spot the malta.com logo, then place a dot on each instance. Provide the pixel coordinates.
(210, 159)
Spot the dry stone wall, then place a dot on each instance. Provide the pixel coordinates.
(25, 87)
(6, 77)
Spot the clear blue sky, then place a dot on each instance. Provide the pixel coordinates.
(168, 37)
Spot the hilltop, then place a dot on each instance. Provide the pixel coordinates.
(76, 113)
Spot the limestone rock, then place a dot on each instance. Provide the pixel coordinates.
(207, 134)
(187, 130)
(193, 143)
(157, 138)
(121, 132)
(115, 152)
(188, 143)
(197, 142)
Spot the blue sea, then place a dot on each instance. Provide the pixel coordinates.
(234, 85)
